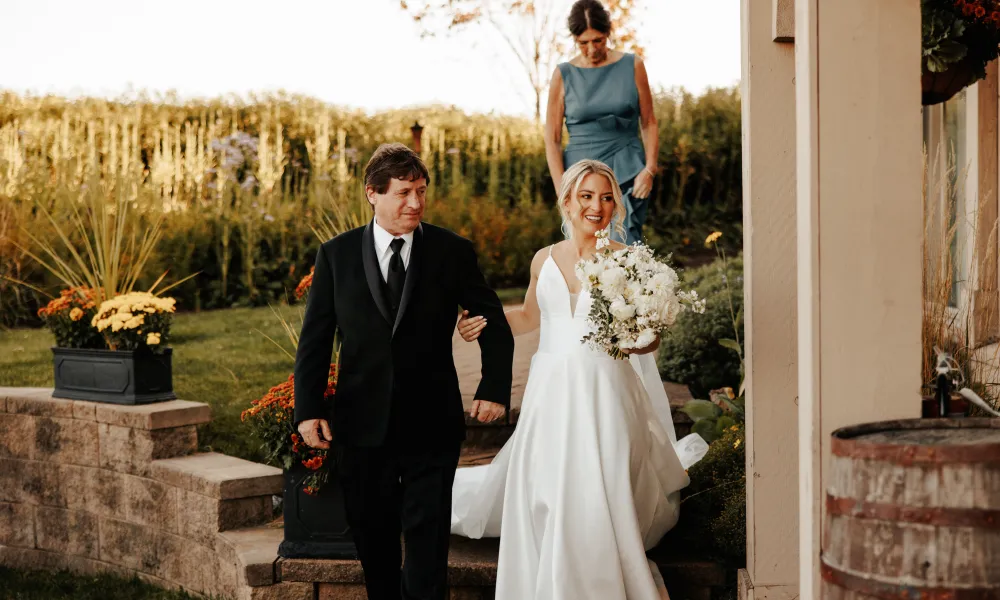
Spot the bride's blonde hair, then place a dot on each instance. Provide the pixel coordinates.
(571, 181)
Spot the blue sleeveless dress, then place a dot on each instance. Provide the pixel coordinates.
(602, 116)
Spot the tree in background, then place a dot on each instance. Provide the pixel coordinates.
(533, 30)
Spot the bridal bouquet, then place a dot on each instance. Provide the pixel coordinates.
(634, 297)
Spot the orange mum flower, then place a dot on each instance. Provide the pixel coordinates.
(313, 463)
(305, 284)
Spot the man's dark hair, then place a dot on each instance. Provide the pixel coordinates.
(589, 14)
(393, 161)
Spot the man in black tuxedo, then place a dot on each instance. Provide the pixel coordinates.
(392, 291)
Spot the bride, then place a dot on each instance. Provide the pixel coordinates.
(590, 479)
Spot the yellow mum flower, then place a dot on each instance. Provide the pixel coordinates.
(153, 339)
(76, 314)
(715, 235)
(116, 326)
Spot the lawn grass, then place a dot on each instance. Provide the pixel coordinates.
(16, 584)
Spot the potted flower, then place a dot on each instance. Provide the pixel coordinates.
(110, 339)
(315, 520)
(118, 354)
(960, 37)
(68, 317)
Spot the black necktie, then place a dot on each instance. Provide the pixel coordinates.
(396, 276)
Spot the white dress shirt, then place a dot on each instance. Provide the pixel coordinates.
(384, 252)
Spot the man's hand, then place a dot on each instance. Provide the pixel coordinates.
(486, 411)
(316, 433)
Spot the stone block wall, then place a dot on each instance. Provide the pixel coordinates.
(100, 487)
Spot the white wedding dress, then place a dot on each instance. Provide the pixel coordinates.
(590, 478)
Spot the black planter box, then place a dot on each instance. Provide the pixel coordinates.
(113, 376)
(315, 525)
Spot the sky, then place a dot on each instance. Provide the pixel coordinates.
(365, 54)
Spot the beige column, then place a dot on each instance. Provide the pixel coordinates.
(768, 103)
(985, 301)
(858, 124)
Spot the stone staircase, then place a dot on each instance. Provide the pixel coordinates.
(97, 487)
(472, 575)
(94, 487)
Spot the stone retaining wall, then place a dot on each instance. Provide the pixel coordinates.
(100, 487)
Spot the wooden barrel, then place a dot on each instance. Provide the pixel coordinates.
(913, 511)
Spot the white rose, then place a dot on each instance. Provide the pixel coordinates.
(621, 310)
(670, 308)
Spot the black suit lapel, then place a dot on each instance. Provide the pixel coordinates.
(412, 274)
(373, 273)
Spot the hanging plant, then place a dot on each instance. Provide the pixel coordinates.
(960, 37)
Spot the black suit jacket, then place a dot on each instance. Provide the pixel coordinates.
(397, 376)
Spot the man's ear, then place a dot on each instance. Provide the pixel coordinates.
(369, 195)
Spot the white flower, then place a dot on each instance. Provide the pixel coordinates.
(670, 309)
(646, 337)
(661, 282)
(645, 305)
(633, 290)
(621, 310)
(612, 282)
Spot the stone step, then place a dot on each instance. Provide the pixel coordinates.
(219, 476)
(220, 493)
(472, 573)
(254, 551)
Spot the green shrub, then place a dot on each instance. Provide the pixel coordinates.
(690, 352)
(713, 506)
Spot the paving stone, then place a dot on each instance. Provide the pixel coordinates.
(219, 476)
(68, 532)
(158, 415)
(17, 525)
(37, 402)
(68, 441)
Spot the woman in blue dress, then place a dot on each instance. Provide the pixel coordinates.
(603, 95)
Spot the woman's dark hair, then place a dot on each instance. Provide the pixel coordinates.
(393, 161)
(589, 14)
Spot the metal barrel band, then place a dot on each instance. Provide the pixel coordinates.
(898, 591)
(940, 516)
(908, 455)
